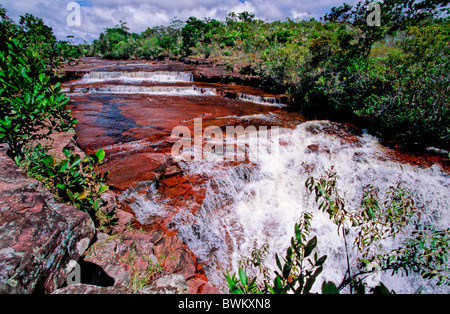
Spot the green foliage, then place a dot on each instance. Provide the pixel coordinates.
(392, 79)
(31, 107)
(402, 93)
(198, 33)
(425, 251)
(241, 285)
(74, 180)
(298, 270)
(33, 34)
(255, 267)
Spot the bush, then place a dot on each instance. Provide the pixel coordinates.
(31, 107)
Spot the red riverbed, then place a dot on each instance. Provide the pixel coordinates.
(135, 128)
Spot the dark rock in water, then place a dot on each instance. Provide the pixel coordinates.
(38, 236)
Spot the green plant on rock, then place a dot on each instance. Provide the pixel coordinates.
(300, 268)
(76, 181)
(243, 285)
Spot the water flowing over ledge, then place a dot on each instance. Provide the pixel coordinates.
(157, 76)
(146, 90)
(251, 205)
(222, 210)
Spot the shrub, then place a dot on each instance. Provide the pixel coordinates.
(31, 107)
(425, 251)
(73, 180)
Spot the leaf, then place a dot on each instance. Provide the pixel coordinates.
(270, 289)
(232, 286)
(310, 246)
(100, 155)
(277, 285)
(289, 254)
(243, 277)
(96, 205)
(321, 260)
(381, 289)
(329, 288)
(298, 234)
(309, 284)
(74, 160)
(287, 270)
(102, 188)
(48, 160)
(66, 152)
(278, 262)
(63, 166)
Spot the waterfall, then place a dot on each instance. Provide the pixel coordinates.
(158, 76)
(268, 101)
(250, 205)
(147, 90)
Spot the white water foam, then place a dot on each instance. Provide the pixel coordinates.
(269, 117)
(158, 76)
(267, 101)
(146, 90)
(261, 203)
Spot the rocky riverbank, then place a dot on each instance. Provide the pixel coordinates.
(43, 241)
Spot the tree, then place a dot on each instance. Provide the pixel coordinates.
(395, 15)
(7, 28)
(192, 33)
(31, 107)
(246, 17)
(36, 34)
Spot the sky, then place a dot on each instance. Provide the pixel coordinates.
(96, 15)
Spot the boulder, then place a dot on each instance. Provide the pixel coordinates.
(168, 284)
(38, 235)
(126, 257)
(139, 260)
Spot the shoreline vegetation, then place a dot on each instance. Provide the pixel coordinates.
(393, 79)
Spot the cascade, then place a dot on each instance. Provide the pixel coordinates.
(148, 90)
(158, 76)
(248, 205)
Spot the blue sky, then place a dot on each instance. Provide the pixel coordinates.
(96, 15)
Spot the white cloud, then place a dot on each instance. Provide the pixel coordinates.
(300, 15)
(140, 14)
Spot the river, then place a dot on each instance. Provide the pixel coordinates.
(223, 208)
